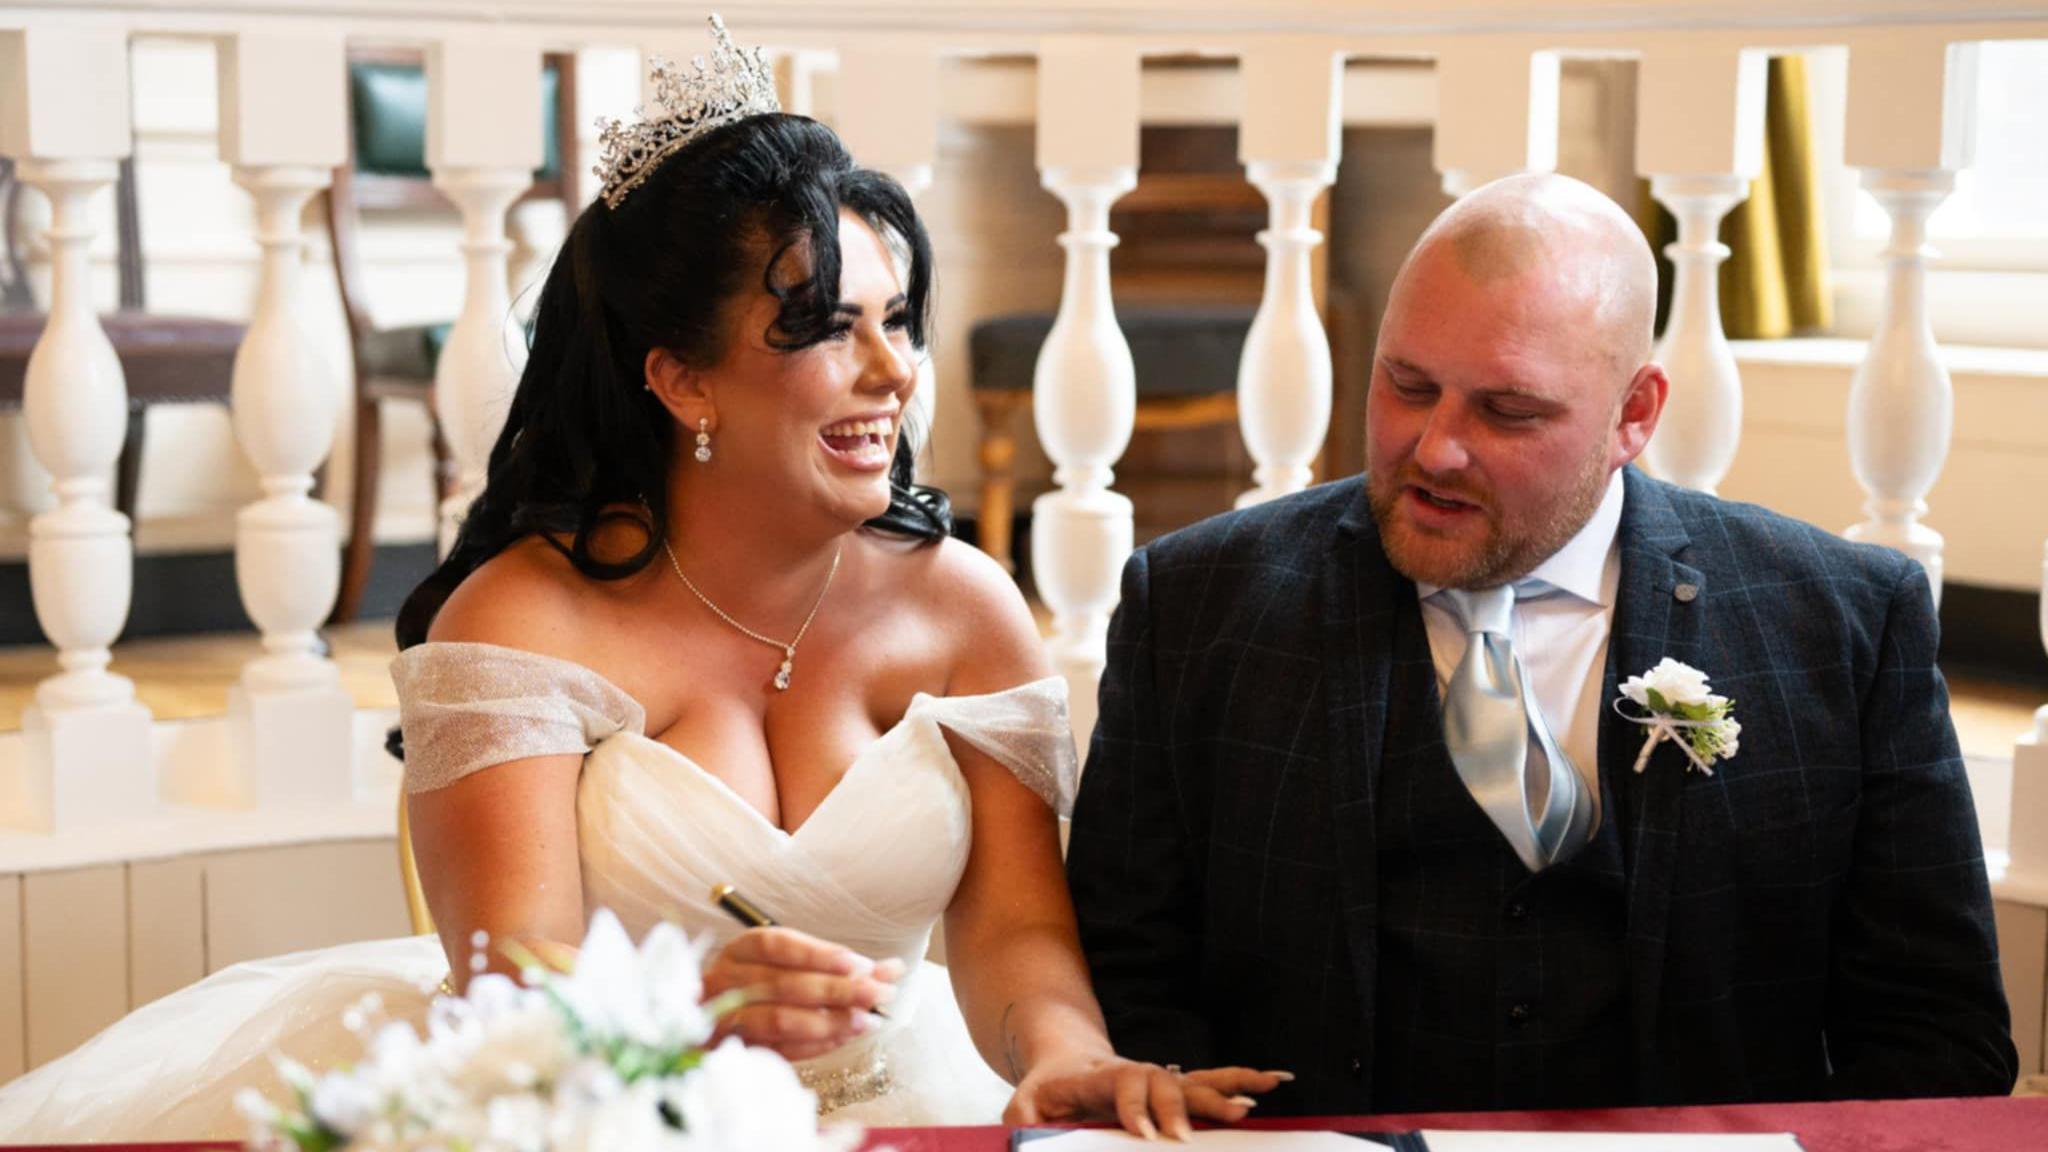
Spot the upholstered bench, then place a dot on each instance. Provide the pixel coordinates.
(1186, 361)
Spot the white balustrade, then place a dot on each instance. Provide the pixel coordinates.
(64, 114)
(1699, 138)
(64, 118)
(283, 129)
(1084, 389)
(484, 141)
(1911, 99)
(1496, 111)
(1288, 140)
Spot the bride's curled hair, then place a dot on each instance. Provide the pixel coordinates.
(585, 442)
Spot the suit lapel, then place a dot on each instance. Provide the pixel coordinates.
(1654, 617)
(1360, 591)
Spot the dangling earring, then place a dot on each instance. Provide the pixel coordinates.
(703, 441)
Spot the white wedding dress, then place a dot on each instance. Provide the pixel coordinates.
(872, 868)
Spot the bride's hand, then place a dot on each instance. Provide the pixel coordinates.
(805, 996)
(1145, 1098)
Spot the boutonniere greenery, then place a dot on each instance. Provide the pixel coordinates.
(1673, 702)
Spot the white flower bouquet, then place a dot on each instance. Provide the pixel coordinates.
(613, 1054)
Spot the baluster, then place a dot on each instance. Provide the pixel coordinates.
(1911, 100)
(1699, 138)
(282, 129)
(1084, 389)
(64, 117)
(1288, 140)
(1496, 112)
(483, 144)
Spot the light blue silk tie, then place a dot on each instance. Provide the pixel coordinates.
(1498, 741)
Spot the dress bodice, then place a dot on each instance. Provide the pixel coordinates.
(872, 867)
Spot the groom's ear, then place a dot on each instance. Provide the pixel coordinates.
(1642, 405)
(679, 387)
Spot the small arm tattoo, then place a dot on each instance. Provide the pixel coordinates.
(1010, 1054)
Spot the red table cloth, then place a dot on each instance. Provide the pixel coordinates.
(1991, 1124)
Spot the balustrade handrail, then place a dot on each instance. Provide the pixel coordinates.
(1156, 26)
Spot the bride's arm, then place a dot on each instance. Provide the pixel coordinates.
(497, 854)
(1011, 942)
(497, 849)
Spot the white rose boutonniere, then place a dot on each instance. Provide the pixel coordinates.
(1677, 705)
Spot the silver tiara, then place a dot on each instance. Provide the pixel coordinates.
(733, 84)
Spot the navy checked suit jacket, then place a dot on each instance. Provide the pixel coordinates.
(1810, 921)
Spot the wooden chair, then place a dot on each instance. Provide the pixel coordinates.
(165, 359)
(409, 873)
(1186, 360)
(387, 170)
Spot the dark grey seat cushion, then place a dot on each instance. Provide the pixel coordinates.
(403, 353)
(1189, 351)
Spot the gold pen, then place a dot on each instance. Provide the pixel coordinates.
(748, 913)
(739, 907)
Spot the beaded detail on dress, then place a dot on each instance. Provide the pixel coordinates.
(843, 1087)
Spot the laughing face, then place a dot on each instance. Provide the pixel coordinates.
(1506, 389)
(820, 422)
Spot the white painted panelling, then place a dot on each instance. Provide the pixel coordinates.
(166, 927)
(13, 1024)
(176, 831)
(75, 967)
(276, 900)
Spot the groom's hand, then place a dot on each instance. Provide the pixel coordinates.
(1145, 1099)
(804, 996)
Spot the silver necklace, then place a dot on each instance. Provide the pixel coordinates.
(789, 649)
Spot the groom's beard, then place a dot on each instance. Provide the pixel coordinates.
(1507, 550)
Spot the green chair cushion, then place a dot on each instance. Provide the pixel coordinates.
(389, 103)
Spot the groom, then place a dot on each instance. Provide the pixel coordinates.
(1360, 801)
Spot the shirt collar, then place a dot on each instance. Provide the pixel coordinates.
(1584, 567)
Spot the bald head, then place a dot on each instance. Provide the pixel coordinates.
(1563, 242)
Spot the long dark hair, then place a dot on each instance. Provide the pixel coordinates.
(585, 442)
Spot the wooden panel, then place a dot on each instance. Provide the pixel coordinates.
(2023, 954)
(166, 927)
(13, 1028)
(270, 901)
(75, 971)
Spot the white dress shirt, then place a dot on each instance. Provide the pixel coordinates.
(1561, 638)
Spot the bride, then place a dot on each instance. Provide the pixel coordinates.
(700, 629)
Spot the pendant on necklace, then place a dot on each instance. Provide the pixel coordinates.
(782, 673)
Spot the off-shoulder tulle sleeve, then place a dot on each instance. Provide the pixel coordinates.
(464, 707)
(1025, 729)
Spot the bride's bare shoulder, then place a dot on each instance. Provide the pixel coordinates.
(990, 628)
(529, 596)
(532, 596)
